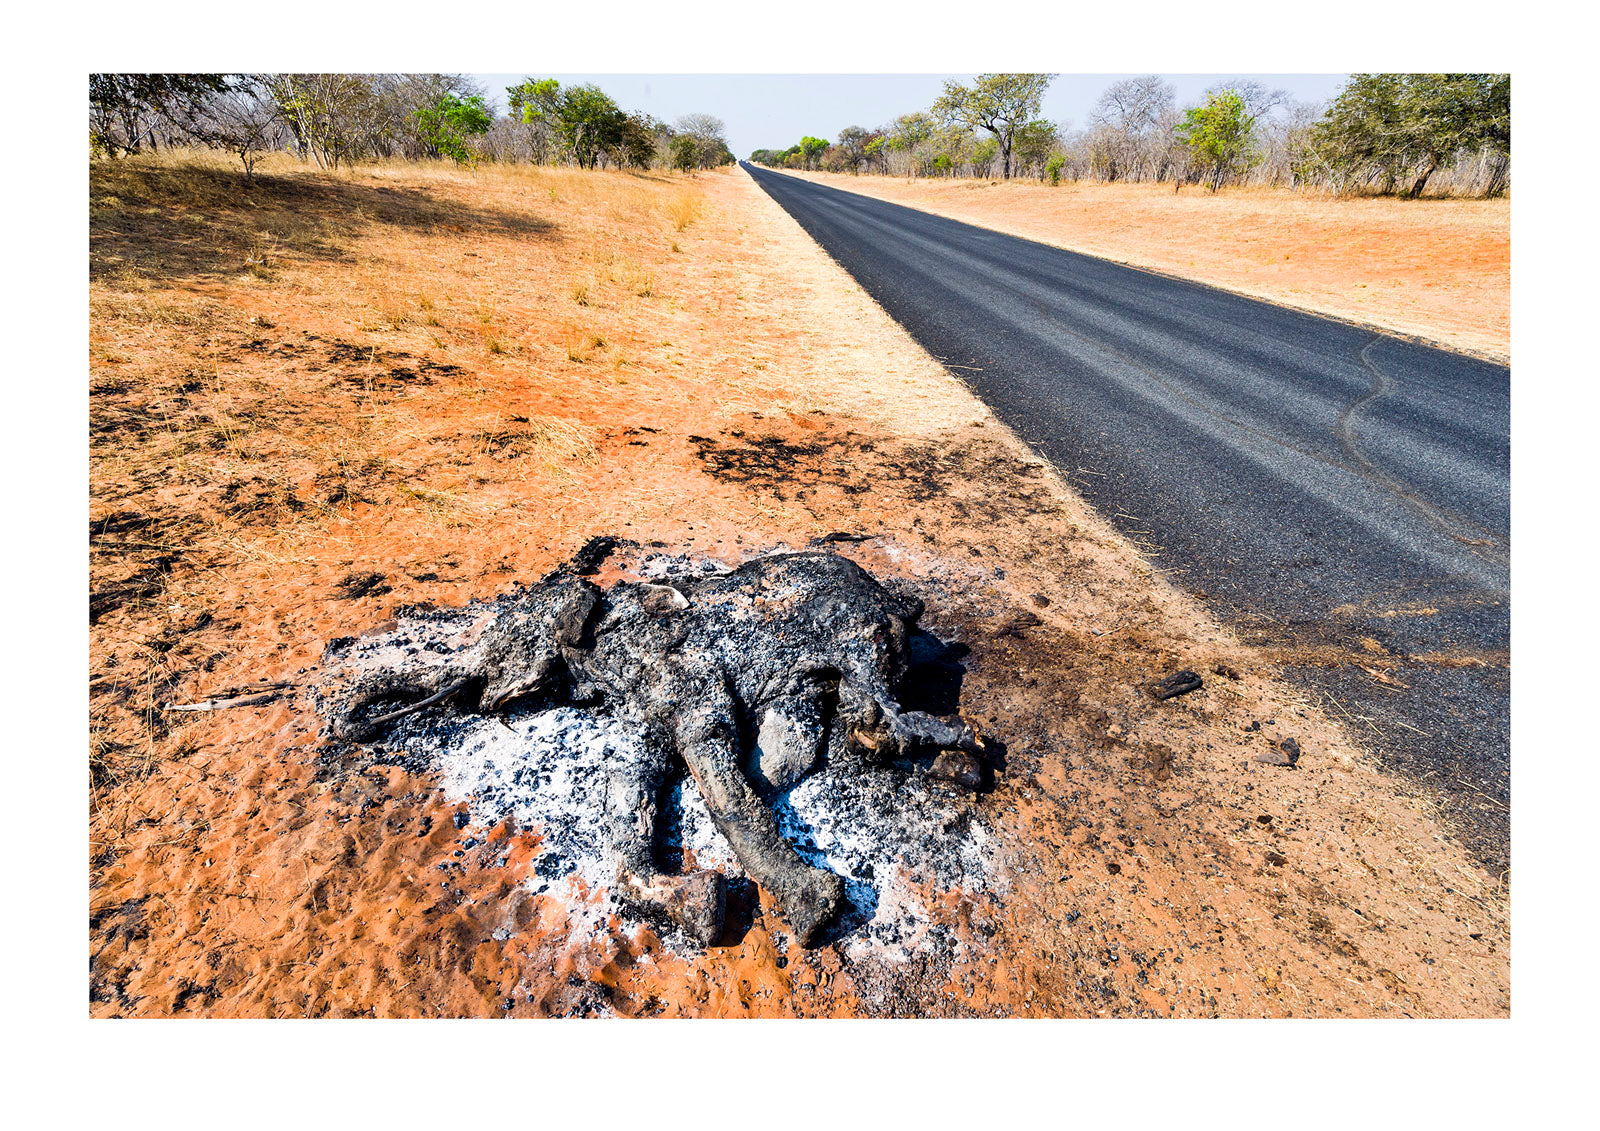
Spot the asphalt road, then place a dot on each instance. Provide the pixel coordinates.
(1316, 483)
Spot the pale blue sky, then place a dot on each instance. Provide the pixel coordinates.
(766, 111)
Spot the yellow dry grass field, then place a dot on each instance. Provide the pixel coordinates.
(1434, 269)
(317, 397)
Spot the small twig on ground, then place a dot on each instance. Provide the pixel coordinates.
(267, 694)
(437, 697)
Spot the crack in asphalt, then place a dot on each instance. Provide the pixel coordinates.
(1451, 524)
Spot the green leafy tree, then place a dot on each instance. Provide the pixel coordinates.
(536, 103)
(640, 137)
(1391, 128)
(1034, 142)
(873, 152)
(1362, 135)
(685, 153)
(811, 150)
(984, 153)
(447, 123)
(998, 103)
(1053, 167)
(1219, 136)
(590, 122)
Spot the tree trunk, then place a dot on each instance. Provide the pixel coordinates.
(1416, 189)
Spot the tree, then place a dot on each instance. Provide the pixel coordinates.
(326, 113)
(853, 147)
(1445, 114)
(640, 140)
(449, 121)
(998, 103)
(908, 138)
(121, 106)
(536, 103)
(590, 122)
(1386, 127)
(812, 148)
(708, 133)
(1218, 135)
(874, 152)
(1034, 143)
(242, 119)
(685, 153)
(1132, 125)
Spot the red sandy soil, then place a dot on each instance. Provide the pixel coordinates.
(454, 379)
(1434, 269)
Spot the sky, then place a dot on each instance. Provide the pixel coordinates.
(775, 111)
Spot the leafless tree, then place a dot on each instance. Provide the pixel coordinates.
(1131, 129)
(243, 119)
(709, 133)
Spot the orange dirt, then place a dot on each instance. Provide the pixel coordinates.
(453, 379)
(1438, 270)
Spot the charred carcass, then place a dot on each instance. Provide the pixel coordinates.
(752, 678)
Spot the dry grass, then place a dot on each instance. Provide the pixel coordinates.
(684, 209)
(312, 371)
(1435, 268)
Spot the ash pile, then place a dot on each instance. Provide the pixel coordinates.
(747, 720)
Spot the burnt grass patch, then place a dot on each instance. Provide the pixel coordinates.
(977, 478)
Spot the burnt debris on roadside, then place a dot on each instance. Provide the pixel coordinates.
(751, 679)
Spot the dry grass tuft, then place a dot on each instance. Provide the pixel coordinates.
(684, 209)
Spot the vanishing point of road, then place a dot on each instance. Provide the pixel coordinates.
(1335, 493)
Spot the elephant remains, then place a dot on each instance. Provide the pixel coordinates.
(750, 679)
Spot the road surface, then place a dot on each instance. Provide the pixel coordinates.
(1335, 493)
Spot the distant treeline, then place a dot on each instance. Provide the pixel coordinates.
(340, 118)
(1384, 133)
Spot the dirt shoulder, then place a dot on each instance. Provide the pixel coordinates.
(1436, 270)
(420, 386)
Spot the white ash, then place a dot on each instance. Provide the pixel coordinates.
(654, 567)
(884, 830)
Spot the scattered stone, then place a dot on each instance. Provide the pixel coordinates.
(959, 767)
(1016, 623)
(1159, 760)
(1284, 753)
(1176, 684)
